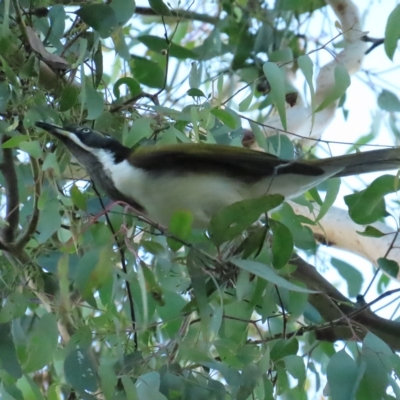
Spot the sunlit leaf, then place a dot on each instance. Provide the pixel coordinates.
(392, 32)
(276, 80)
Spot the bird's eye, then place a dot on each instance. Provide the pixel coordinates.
(85, 130)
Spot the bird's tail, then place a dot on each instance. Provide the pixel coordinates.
(361, 163)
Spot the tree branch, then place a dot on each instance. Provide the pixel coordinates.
(24, 239)
(11, 185)
(332, 305)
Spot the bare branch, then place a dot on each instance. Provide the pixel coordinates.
(24, 239)
(11, 184)
(364, 320)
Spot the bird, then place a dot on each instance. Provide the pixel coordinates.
(202, 178)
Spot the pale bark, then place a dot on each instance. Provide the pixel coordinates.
(300, 117)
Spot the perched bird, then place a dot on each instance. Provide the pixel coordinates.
(202, 178)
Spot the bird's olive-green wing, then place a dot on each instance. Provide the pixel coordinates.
(241, 163)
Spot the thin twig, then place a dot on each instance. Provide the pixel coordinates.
(123, 263)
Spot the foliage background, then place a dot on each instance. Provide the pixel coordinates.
(97, 303)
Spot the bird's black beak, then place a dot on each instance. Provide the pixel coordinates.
(55, 130)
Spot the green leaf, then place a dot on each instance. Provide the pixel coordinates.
(276, 80)
(51, 162)
(32, 148)
(42, 343)
(342, 82)
(368, 205)
(193, 92)
(132, 84)
(14, 141)
(94, 103)
(13, 306)
(307, 67)
(244, 46)
(181, 227)
(388, 101)
(80, 370)
(283, 348)
(158, 44)
(69, 97)
(351, 275)
(159, 7)
(147, 72)
(282, 244)
(333, 186)
(301, 6)
(109, 380)
(371, 231)
(141, 129)
(392, 32)
(4, 96)
(100, 17)
(198, 279)
(295, 366)
(281, 55)
(78, 198)
(302, 235)
(342, 372)
(389, 266)
(245, 104)
(123, 10)
(8, 355)
(232, 220)
(225, 117)
(171, 312)
(281, 146)
(267, 273)
(250, 376)
(82, 52)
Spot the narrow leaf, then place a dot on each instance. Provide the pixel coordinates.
(267, 273)
(392, 32)
(342, 82)
(276, 80)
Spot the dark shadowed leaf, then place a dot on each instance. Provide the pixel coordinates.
(229, 222)
(159, 7)
(69, 96)
(42, 343)
(8, 354)
(123, 10)
(101, 17)
(389, 266)
(80, 370)
(147, 72)
(282, 244)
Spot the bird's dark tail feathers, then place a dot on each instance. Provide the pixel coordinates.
(363, 162)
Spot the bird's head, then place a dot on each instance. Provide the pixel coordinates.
(86, 144)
